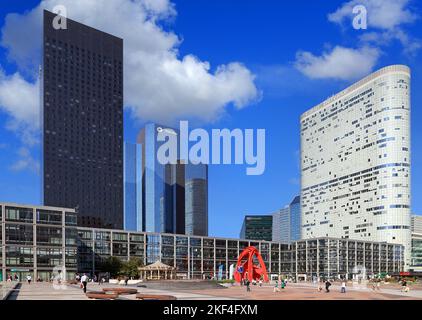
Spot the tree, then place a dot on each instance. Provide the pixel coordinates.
(113, 266)
(130, 268)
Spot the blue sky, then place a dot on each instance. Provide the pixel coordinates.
(288, 56)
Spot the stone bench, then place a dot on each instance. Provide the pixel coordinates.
(102, 295)
(141, 296)
(120, 291)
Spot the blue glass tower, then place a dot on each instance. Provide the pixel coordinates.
(295, 219)
(170, 198)
(132, 167)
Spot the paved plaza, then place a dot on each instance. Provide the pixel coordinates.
(301, 291)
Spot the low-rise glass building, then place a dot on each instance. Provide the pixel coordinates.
(35, 240)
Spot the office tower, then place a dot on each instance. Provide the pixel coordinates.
(281, 225)
(416, 224)
(174, 197)
(257, 227)
(287, 222)
(132, 186)
(83, 122)
(355, 161)
(416, 254)
(295, 219)
(196, 200)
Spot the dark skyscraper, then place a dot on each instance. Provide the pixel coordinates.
(257, 227)
(83, 122)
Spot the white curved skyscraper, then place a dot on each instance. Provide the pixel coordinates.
(355, 161)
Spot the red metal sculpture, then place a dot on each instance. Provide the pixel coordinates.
(246, 269)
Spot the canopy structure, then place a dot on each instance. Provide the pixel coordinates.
(157, 271)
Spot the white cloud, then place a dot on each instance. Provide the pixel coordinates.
(339, 63)
(19, 99)
(382, 14)
(386, 19)
(159, 85)
(25, 162)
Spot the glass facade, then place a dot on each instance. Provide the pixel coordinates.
(416, 256)
(295, 219)
(257, 227)
(133, 187)
(287, 222)
(170, 198)
(36, 240)
(82, 249)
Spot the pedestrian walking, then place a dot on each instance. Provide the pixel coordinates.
(260, 282)
(327, 286)
(320, 286)
(248, 285)
(283, 284)
(84, 282)
(343, 286)
(404, 287)
(29, 278)
(276, 287)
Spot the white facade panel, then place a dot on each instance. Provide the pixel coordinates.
(355, 161)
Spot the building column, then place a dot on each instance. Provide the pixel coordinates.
(174, 250)
(279, 259)
(215, 263)
(111, 243)
(93, 250)
(269, 258)
(189, 257)
(202, 258)
(296, 260)
(227, 259)
(34, 244)
(317, 257)
(372, 258)
(63, 246)
(347, 259)
(356, 254)
(364, 255)
(3, 242)
(306, 257)
(338, 257)
(128, 246)
(328, 258)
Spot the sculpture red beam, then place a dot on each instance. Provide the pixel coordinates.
(245, 268)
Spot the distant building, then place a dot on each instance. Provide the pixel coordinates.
(287, 222)
(295, 219)
(171, 198)
(416, 255)
(132, 187)
(257, 227)
(196, 200)
(281, 225)
(416, 224)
